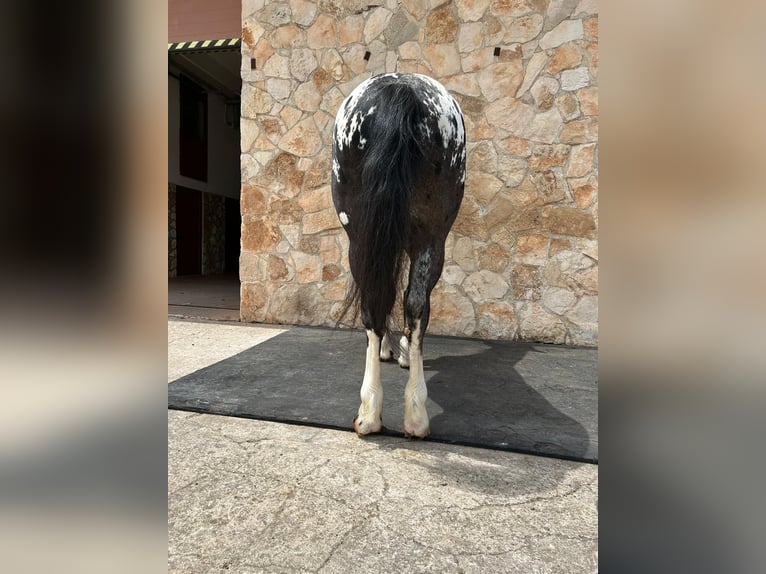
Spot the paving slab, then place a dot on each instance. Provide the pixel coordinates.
(256, 496)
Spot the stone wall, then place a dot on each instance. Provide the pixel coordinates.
(213, 234)
(522, 259)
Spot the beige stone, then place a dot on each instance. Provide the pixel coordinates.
(333, 63)
(568, 221)
(285, 210)
(441, 26)
(470, 37)
(316, 199)
(417, 8)
(566, 31)
(510, 114)
(586, 7)
(251, 200)
(255, 102)
(471, 219)
(318, 174)
(584, 191)
(480, 131)
(581, 160)
(471, 10)
(289, 36)
(464, 255)
(482, 186)
(331, 101)
(516, 146)
(290, 116)
(590, 29)
(453, 275)
(278, 88)
(294, 304)
(249, 168)
(259, 235)
(575, 79)
(557, 245)
(308, 268)
(517, 8)
(302, 63)
(477, 60)
(320, 221)
(526, 282)
(277, 268)
(253, 300)
(580, 131)
(277, 66)
(307, 97)
(546, 156)
(511, 169)
(322, 80)
(544, 92)
(585, 312)
(451, 313)
(482, 157)
(564, 58)
(524, 28)
(462, 84)
(248, 133)
(567, 105)
(262, 52)
(537, 324)
(409, 50)
(484, 285)
(302, 140)
(443, 59)
(303, 12)
(281, 175)
(329, 250)
(531, 249)
(350, 30)
(493, 257)
(376, 23)
(322, 33)
(501, 79)
(496, 320)
(550, 184)
(534, 66)
(588, 98)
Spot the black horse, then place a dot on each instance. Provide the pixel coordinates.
(398, 177)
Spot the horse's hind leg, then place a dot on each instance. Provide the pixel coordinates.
(368, 419)
(426, 266)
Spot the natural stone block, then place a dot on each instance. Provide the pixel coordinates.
(322, 33)
(251, 200)
(584, 191)
(259, 235)
(526, 282)
(477, 60)
(303, 139)
(568, 221)
(566, 31)
(568, 106)
(501, 79)
(544, 92)
(535, 64)
(451, 313)
(471, 10)
(443, 59)
(400, 29)
(516, 146)
(524, 28)
(496, 320)
(303, 12)
(580, 131)
(511, 170)
(531, 249)
(320, 221)
(302, 63)
(470, 37)
(546, 156)
(485, 285)
(316, 199)
(255, 102)
(417, 8)
(581, 160)
(564, 58)
(350, 30)
(453, 275)
(480, 131)
(558, 10)
(276, 14)
(537, 324)
(493, 257)
(307, 97)
(376, 23)
(441, 25)
(462, 84)
(253, 300)
(277, 268)
(307, 267)
(278, 88)
(251, 33)
(287, 37)
(575, 79)
(588, 98)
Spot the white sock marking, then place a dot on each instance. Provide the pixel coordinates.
(343, 216)
(416, 393)
(404, 356)
(371, 393)
(385, 348)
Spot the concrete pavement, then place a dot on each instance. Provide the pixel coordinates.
(252, 496)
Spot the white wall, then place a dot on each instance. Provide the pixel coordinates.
(223, 176)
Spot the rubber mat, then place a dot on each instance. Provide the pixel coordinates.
(531, 398)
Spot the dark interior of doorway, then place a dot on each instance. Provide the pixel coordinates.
(189, 231)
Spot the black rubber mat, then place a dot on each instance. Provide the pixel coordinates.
(532, 398)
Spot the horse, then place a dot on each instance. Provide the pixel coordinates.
(398, 175)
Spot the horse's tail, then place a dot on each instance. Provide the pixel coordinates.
(390, 166)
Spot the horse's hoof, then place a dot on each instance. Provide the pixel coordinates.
(420, 434)
(403, 363)
(364, 428)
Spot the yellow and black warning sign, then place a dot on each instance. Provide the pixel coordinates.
(223, 45)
